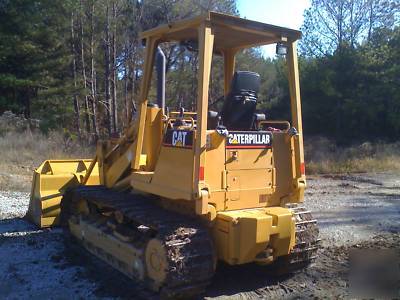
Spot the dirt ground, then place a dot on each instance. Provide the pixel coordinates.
(354, 212)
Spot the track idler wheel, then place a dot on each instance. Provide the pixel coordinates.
(156, 262)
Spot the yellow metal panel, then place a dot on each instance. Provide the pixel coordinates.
(93, 179)
(174, 26)
(215, 163)
(173, 176)
(89, 170)
(243, 234)
(51, 206)
(246, 32)
(249, 179)
(142, 176)
(248, 199)
(282, 159)
(152, 137)
(120, 254)
(173, 192)
(239, 159)
(123, 162)
(221, 239)
(48, 222)
(249, 188)
(218, 200)
(283, 238)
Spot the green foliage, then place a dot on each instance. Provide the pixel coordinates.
(354, 94)
(32, 52)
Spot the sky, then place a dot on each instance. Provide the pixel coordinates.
(286, 13)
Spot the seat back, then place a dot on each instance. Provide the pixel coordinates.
(240, 104)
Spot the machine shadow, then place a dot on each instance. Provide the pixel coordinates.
(109, 282)
(16, 224)
(230, 280)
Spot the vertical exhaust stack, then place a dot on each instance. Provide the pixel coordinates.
(161, 70)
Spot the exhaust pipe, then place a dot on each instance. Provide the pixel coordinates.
(161, 70)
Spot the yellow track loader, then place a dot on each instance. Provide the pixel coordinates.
(181, 191)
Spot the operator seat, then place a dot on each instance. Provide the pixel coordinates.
(238, 111)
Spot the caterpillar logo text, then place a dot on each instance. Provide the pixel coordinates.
(249, 140)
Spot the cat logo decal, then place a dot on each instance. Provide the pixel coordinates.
(178, 138)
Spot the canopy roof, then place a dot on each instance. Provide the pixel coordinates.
(229, 31)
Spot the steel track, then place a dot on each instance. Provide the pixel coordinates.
(188, 243)
(307, 241)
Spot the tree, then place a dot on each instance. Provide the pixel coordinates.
(32, 58)
(74, 74)
(83, 61)
(348, 91)
(331, 25)
(354, 95)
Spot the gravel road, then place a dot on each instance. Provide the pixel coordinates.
(353, 211)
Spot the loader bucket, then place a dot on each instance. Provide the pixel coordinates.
(49, 183)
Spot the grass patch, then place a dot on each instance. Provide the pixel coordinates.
(323, 156)
(22, 152)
